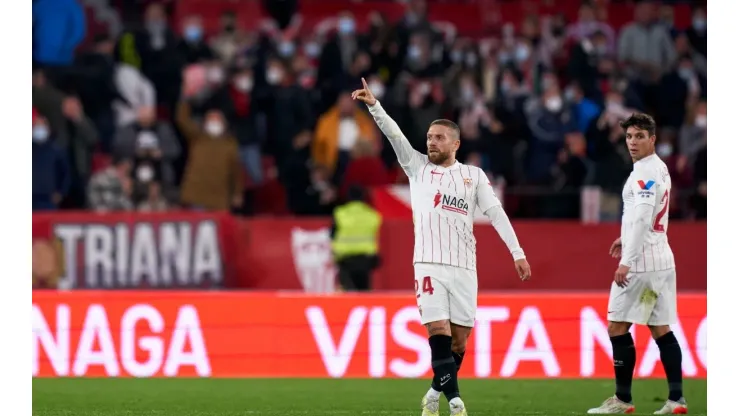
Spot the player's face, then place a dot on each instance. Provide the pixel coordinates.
(640, 143)
(441, 144)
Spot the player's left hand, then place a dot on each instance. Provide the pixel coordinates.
(522, 267)
(620, 276)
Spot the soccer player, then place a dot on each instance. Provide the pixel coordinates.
(444, 195)
(644, 287)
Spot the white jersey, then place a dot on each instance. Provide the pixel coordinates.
(646, 197)
(443, 202)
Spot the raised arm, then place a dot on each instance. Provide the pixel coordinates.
(409, 159)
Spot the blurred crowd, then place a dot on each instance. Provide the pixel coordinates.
(165, 115)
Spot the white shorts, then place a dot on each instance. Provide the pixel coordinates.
(648, 299)
(446, 292)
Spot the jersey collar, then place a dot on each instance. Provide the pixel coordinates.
(454, 166)
(645, 160)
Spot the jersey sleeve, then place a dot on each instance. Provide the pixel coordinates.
(486, 197)
(645, 188)
(409, 159)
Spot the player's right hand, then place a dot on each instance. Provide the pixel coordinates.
(616, 249)
(364, 95)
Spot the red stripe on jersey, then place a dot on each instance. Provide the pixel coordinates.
(449, 236)
(458, 245)
(431, 235)
(421, 233)
(439, 230)
(423, 171)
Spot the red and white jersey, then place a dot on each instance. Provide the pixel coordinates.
(443, 201)
(648, 184)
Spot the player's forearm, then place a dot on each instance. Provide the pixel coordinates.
(505, 230)
(390, 129)
(636, 238)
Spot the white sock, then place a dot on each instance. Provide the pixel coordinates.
(433, 394)
(456, 402)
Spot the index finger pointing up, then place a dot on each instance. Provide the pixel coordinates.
(364, 84)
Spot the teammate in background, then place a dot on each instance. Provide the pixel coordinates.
(644, 287)
(444, 195)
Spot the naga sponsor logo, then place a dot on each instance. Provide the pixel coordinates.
(140, 342)
(143, 254)
(451, 203)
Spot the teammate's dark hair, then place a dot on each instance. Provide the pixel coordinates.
(640, 121)
(447, 123)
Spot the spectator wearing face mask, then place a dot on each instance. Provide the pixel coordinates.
(685, 50)
(337, 132)
(153, 51)
(572, 171)
(193, 46)
(697, 33)
(52, 177)
(213, 176)
(236, 100)
(153, 147)
(693, 133)
(588, 25)
(677, 90)
(287, 108)
(548, 121)
(337, 58)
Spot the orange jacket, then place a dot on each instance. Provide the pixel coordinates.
(325, 147)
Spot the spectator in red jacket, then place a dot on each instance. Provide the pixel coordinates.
(366, 169)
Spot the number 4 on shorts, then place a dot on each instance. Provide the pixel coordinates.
(426, 286)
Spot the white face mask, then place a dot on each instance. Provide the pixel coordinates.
(312, 49)
(701, 121)
(664, 150)
(214, 128)
(700, 24)
(286, 49)
(274, 76)
(243, 84)
(554, 104)
(378, 89)
(215, 75)
(522, 53)
(40, 134)
(145, 173)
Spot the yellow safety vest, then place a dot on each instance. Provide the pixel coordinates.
(357, 226)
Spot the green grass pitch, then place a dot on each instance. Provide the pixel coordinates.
(285, 397)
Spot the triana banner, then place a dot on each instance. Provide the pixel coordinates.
(237, 334)
(206, 250)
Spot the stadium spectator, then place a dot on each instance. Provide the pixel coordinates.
(111, 189)
(584, 110)
(235, 100)
(155, 200)
(153, 51)
(548, 121)
(58, 28)
(646, 51)
(51, 172)
(153, 147)
(365, 169)
(193, 47)
(697, 33)
(95, 81)
(226, 44)
(693, 134)
(136, 92)
(213, 175)
(685, 50)
(287, 108)
(588, 25)
(337, 132)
